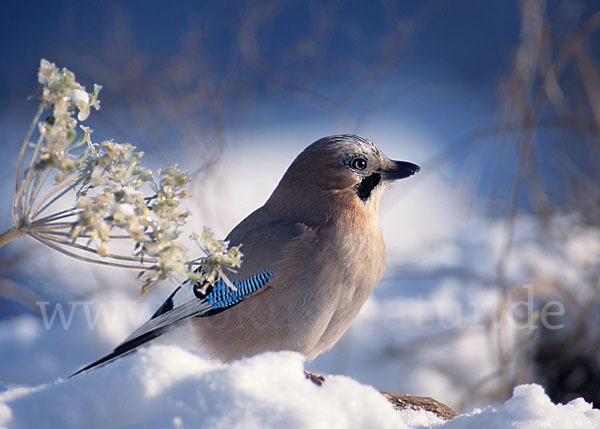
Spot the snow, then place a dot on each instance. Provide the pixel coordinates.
(530, 408)
(166, 386)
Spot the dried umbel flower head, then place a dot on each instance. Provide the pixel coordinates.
(115, 197)
(219, 259)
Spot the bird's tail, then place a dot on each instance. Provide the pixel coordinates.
(122, 350)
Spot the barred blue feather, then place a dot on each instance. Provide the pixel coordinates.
(222, 296)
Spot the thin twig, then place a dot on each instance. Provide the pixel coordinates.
(9, 236)
(28, 134)
(58, 215)
(29, 175)
(63, 187)
(91, 250)
(49, 243)
(40, 179)
(53, 231)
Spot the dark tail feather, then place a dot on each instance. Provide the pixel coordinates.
(122, 350)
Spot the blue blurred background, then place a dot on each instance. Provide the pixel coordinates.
(204, 73)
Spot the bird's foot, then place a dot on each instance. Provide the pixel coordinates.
(317, 379)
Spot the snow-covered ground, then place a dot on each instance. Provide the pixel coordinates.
(424, 331)
(165, 386)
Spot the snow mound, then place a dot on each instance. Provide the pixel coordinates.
(530, 408)
(165, 386)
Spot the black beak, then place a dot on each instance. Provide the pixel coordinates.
(395, 170)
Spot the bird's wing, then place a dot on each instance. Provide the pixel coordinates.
(263, 241)
(187, 301)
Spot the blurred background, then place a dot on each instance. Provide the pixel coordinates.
(493, 275)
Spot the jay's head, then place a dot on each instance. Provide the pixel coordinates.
(345, 169)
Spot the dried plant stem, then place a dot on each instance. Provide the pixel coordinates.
(60, 249)
(56, 193)
(26, 143)
(9, 236)
(56, 216)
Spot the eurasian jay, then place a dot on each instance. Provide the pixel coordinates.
(312, 254)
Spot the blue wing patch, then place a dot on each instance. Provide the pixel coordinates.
(221, 296)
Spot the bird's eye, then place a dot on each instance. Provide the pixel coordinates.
(358, 163)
